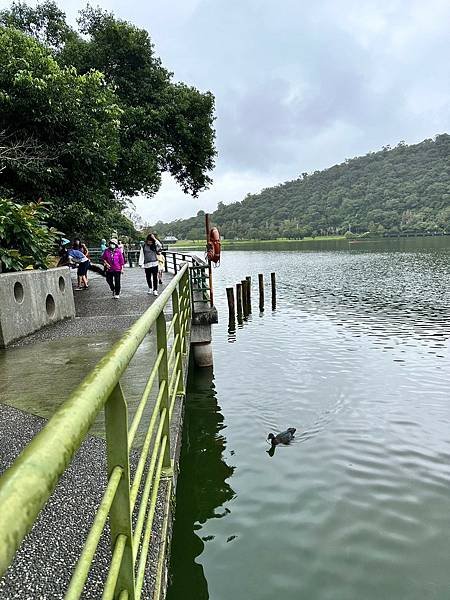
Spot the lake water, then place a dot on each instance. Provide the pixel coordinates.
(356, 357)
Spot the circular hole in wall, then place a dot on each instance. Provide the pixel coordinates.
(18, 292)
(50, 305)
(62, 284)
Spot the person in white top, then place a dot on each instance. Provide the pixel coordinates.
(148, 260)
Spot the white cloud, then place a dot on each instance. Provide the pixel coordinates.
(170, 202)
(299, 86)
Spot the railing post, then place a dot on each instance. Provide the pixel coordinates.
(174, 262)
(190, 305)
(180, 329)
(163, 376)
(116, 424)
(191, 275)
(166, 266)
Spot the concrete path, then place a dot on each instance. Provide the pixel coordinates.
(97, 311)
(47, 557)
(54, 360)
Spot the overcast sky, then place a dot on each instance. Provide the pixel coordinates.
(299, 85)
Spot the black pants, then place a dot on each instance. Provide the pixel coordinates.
(152, 274)
(113, 279)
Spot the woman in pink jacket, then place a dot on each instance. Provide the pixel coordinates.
(113, 260)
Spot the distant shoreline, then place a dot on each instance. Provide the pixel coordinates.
(225, 243)
(319, 238)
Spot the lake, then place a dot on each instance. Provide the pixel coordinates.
(356, 357)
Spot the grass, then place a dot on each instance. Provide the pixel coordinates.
(225, 243)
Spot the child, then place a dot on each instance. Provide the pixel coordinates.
(161, 264)
(113, 260)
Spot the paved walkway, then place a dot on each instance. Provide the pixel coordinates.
(44, 563)
(97, 311)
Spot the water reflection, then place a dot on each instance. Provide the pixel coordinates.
(231, 329)
(202, 486)
(357, 507)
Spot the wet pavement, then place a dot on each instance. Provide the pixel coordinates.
(54, 360)
(97, 311)
(36, 376)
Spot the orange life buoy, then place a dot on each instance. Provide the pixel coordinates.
(213, 249)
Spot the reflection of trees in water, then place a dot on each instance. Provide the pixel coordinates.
(201, 488)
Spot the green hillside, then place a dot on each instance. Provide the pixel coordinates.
(406, 188)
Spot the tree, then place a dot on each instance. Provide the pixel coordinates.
(45, 22)
(25, 241)
(162, 126)
(21, 153)
(71, 118)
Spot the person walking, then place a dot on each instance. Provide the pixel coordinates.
(77, 257)
(83, 267)
(103, 245)
(113, 260)
(148, 260)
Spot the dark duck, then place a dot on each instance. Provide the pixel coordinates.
(285, 437)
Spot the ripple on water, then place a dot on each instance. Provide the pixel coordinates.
(357, 507)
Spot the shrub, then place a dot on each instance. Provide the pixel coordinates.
(25, 239)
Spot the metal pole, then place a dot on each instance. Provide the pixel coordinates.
(116, 425)
(163, 377)
(207, 230)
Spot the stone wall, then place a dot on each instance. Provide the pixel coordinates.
(30, 300)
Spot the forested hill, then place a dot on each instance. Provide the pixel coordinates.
(406, 188)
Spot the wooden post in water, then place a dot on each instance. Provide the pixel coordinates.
(261, 292)
(249, 293)
(244, 297)
(274, 291)
(230, 298)
(239, 301)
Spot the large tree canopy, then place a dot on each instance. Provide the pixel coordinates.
(104, 108)
(73, 120)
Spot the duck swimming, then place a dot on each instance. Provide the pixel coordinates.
(285, 437)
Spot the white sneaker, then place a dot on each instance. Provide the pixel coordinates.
(150, 292)
(116, 297)
(155, 293)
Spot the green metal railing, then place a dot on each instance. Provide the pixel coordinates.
(128, 502)
(200, 274)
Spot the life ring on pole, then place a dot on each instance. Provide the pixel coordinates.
(213, 248)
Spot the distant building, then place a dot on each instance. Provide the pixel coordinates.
(170, 239)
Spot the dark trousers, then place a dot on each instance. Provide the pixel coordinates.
(113, 279)
(151, 275)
